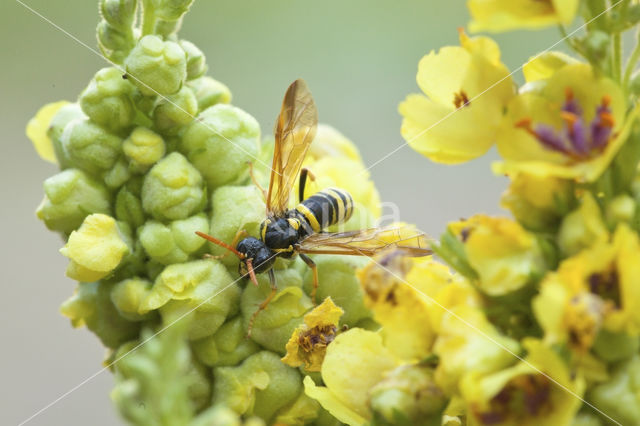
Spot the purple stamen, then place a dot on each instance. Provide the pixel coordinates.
(548, 137)
(577, 139)
(600, 129)
(572, 106)
(577, 136)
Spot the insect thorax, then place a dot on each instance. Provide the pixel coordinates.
(282, 233)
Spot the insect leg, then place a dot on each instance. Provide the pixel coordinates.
(311, 264)
(255, 181)
(303, 182)
(263, 305)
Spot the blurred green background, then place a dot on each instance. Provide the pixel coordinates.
(359, 59)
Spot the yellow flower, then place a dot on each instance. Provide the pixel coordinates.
(441, 289)
(38, 127)
(354, 363)
(571, 128)
(467, 88)
(582, 227)
(537, 202)
(95, 249)
(505, 15)
(400, 308)
(468, 342)
(593, 289)
(330, 143)
(537, 391)
(572, 318)
(544, 65)
(504, 254)
(308, 343)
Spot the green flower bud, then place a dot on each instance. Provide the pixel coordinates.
(154, 269)
(619, 397)
(128, 207)
(408, 395)
(301, 412)
(134, 263)
(612, 347)
(597, 45)
(127, 296)
(90, 147)
(260, 386)
(235, 208)
(114, 43)
(154, 383)
(173, 189)
(582, 227)
(143, 148)
(196, 62)
(117, 175)
(337, 279)
(221, 142)
(209, 92)
(91, 305)
(107, 100)
(273, 326)
(118, 13)
(227, 347)
(70, 196)
(171, 10)
(167, 29)
(202, 284)
(220, 415)
(175, 111)
(200, 387)
(157, 66)
(175, 242)
(56, 128)
(621, 209)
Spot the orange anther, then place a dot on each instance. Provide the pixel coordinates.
(606, 100)
(568, 93)
(569, 117)
(607, 119)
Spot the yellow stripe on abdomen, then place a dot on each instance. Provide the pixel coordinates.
(327, 207)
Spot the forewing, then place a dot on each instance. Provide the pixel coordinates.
(294, 132)
(366, 242)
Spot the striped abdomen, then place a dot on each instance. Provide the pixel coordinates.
(326, 208)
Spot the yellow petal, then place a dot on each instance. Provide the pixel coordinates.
(96, 246)
(506, 15)
(325, 313)
(37, 130)
(355, 361)
(443, 134)
(332, 404)
(543, 66)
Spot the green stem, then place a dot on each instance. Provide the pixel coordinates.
(571, 42)
(631, 63)
(616, 66)
(148, 17)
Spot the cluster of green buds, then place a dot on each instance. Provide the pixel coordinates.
(150, 153)
(530, 320)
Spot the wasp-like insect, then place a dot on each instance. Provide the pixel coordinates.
(286, 232)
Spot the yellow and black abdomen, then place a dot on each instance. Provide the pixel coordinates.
(326, 208)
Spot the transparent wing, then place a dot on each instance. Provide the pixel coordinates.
(366, 242)
(294, 132)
